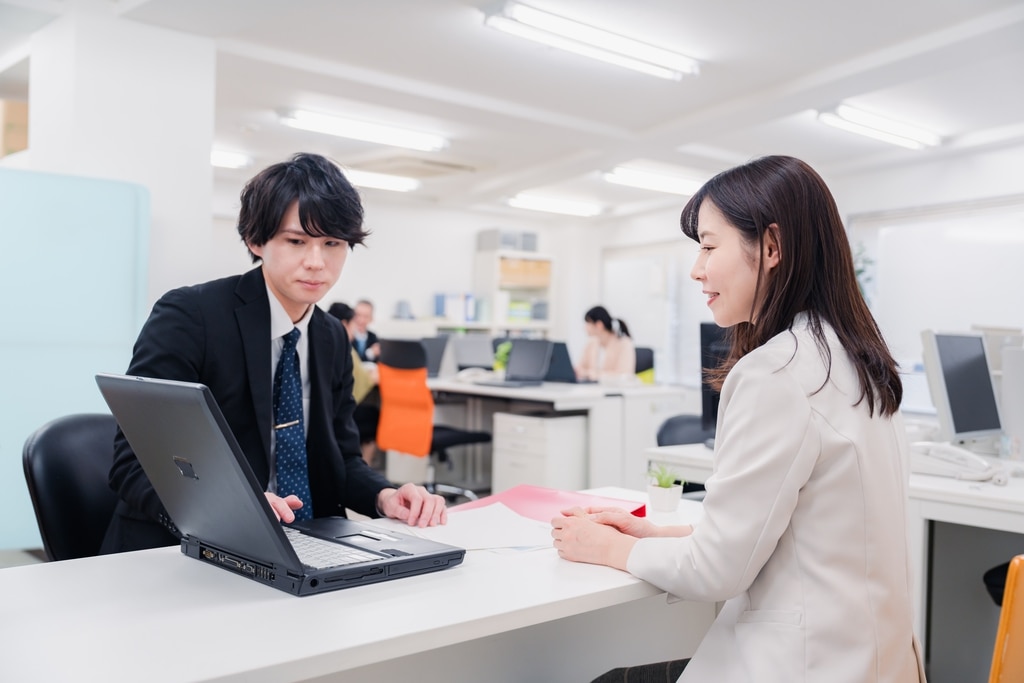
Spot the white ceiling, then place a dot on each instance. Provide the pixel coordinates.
(521, 116)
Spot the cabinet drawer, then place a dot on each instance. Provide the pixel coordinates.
(512, 469)
(521, 444)
(544, 451)
(520, 426)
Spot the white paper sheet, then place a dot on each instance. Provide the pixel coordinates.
(490, 527)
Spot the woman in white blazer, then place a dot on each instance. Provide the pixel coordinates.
(803, 535)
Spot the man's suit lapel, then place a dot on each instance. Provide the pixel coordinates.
(321, 358)
(253, 316)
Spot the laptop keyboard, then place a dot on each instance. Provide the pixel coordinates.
(319, 554)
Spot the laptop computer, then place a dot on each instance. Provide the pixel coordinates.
(435, 348)
(473, 351)
(560, 368)
(202, 477)
(527, 364)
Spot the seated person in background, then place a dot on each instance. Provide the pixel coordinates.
(364, 341)
(364, 388)
(242, 334)
(610, 352)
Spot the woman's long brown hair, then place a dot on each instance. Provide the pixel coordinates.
(815, 273)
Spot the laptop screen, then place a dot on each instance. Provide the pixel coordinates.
(474, 351)
(434, 346)
(560, 368)
(528, 359)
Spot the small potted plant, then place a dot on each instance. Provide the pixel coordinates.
(501, 358)
(665, 490)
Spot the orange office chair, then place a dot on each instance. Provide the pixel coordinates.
(407, 412)
(1008, 656)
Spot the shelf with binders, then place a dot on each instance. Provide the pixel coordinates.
(513, 292)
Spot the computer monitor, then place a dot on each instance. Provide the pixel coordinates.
(528, 360)
(714, 347)
(961, 388)
(473, 351)
(435, 348)
(560, 368)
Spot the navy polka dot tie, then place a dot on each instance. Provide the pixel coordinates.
(290, 449)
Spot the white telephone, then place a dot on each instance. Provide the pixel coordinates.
(473, 374)
(947, 460)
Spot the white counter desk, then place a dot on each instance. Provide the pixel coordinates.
(157, 615)
(931, 499)
(622, 421)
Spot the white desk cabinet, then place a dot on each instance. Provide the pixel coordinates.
(543, 451)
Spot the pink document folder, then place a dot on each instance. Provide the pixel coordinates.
(544, 504)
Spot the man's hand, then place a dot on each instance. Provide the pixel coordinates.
(413, 505)
(283, 507)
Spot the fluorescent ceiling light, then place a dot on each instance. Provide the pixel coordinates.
(870, 125)
(222, 158)
(381, 181)
(647, 180)
(572, 36)
(364, 130)
(550, 205)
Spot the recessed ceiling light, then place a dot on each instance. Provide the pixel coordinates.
(648, 180)
(877, 127)
(589, 41)
(565, 207)
(381, 181)
(222, 158)
(364, 130)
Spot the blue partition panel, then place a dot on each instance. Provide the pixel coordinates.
(73, 281)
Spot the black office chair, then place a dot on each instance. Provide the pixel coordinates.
(67, 462)
(407, 413)
(644, 359)
(682, 429)
(645, 364)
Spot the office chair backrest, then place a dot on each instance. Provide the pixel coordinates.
(1008, 655)
(644, 359)
(645, 364)
(67, 463)
(681, 429)
(406, 404)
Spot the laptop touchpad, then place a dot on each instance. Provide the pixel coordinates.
(366, 538)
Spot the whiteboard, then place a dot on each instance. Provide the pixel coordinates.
(948, 273)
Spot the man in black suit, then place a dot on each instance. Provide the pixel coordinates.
(364, 339)
(299, 219)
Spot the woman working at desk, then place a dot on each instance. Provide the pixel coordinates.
(803, 533)
(609, 353)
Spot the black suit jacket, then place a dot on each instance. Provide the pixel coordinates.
(371, 339)
(218, 334)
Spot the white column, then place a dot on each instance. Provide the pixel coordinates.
(115, 99)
